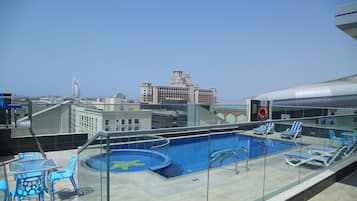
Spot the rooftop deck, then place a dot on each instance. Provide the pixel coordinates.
(344, 190)
(224, 184)
(265, 174)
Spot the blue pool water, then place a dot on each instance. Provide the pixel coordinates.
(130, 160)
(185, 155)
(191, 154)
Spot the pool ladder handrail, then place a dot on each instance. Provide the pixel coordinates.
(228, 153)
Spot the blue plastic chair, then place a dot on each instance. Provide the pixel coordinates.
(3, 188)
(29, 187)
(332, 135)
(68, 173)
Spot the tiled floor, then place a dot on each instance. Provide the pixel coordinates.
(344, 190)
(223, 183)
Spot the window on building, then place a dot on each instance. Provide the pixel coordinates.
(129, 128)
(106, 122)
(136, 121)
(129, 121)
(122, 129)
(106, 129)
(136, 128)
(123, 121)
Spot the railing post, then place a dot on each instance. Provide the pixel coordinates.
(7, 184)
(31, 131)
(208, 163)
(236, 165)
(108, 169)
(246, 160)
(6, 117)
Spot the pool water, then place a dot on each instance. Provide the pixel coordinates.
(129, 160)
(192, 154)
(185, 155)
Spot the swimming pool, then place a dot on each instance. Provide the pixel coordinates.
(185, 155)
(191, 154)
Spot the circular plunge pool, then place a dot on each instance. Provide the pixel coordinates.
(129, 160)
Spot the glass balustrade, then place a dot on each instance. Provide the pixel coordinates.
(191, 152)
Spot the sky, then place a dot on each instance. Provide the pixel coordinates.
(241, 48)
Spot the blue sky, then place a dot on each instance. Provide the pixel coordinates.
(242, 48)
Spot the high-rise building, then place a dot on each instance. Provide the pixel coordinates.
(180, 90)
(76, 91)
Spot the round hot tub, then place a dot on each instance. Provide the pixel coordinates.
(129, 160)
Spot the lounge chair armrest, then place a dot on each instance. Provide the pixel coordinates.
(60, 171)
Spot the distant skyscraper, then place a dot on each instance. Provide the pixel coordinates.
(76, 91)
(180, 90)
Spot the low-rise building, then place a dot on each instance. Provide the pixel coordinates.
(110, 114)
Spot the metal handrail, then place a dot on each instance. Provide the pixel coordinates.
(8, 161)
(92, 139)
(312, 107)
(213, 127)
(84, 104)
(154, 132)
(231, 153)
(155, 138)
(206, 128)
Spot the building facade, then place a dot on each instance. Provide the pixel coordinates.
(346, 18)
(341, 92)
(125, 117)
(180, 90)
(168, 119)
